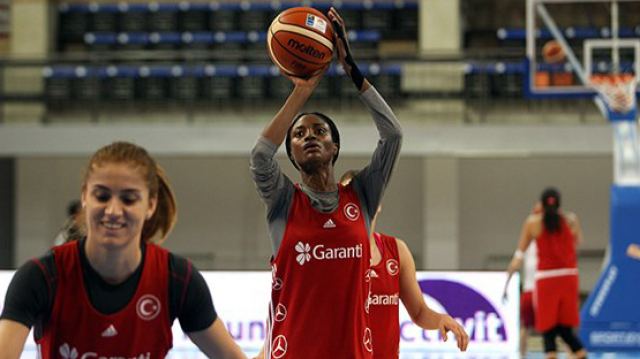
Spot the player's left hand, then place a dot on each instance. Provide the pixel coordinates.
(447, 324)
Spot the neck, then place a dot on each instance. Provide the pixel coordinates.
(320, 181)
(114, 264)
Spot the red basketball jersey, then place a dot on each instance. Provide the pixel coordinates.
(384, 299)
(320, 289)
(557, 250)
(141, 330)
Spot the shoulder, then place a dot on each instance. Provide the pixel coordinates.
(570, 217)
(534, 218)
(403, 250)
(44, 265)
(402, 245)
(179, 267)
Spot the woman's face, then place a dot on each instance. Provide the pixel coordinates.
(311, 143)
(116, 202)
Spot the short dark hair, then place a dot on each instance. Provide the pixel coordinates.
(335, 135)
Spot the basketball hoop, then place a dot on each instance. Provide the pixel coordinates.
(616, 95)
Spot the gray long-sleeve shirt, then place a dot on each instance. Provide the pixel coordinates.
(276, 189)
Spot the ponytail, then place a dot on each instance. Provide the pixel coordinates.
(550, 204)
(157, 228)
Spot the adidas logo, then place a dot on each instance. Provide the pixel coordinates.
(374, 274)
(110, 332)
(329, 224)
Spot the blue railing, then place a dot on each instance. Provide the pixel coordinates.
(199, 37)
(520, 67)
(233, 70)
(233, 6)
(135, 71)
(569, 32)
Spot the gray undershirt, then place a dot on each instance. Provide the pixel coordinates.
(276, 189)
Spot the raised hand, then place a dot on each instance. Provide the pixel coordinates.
(344, 51)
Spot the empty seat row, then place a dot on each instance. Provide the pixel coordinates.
(392, 20)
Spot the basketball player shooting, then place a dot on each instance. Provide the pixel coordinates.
(319, 230)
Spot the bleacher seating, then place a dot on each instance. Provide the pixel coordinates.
(227, 39)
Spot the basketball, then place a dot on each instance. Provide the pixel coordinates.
(300, 41)
(552, 52)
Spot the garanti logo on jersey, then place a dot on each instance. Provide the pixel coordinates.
(68, 352)
(320, 252)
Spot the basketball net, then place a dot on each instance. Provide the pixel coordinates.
(616, 96)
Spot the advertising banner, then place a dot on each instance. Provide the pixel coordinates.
(472, 298)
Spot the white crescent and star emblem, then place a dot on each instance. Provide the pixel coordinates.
(392, 267)
(148, 307)
(351, 211)
(281, 313)
(279, 347)
(367, 340)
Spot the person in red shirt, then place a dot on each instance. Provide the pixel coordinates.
(556, 288)
(393, 279)
(114, 293)
(319, 229)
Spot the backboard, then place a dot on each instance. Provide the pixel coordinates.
(600, 38)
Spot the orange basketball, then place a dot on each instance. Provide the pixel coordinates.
(300, 41)
(552, 52)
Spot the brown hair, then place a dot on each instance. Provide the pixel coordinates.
(165, 215)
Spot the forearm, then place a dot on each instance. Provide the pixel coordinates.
(12, 338)
(215, 342)
(265, 171)
(375, 176)
(382, 115)
(426, 318)
(514, 266)
(276, 130)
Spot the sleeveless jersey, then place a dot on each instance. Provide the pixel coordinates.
(141, 329)
(320, 284)
(556, 250)
(384, 299)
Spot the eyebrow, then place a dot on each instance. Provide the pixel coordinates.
(314, 125)
(126, 190)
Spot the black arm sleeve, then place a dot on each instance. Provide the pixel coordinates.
(28, 297)
(190, 297)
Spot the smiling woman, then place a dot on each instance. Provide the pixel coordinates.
(114, 293)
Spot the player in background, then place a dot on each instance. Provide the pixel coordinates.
(393, 279)
(556, 290)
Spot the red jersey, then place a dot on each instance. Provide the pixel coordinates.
(384, 299)
(75, 329)
(320, 289)
(557, 250)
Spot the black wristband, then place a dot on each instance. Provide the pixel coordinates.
(356, 75)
